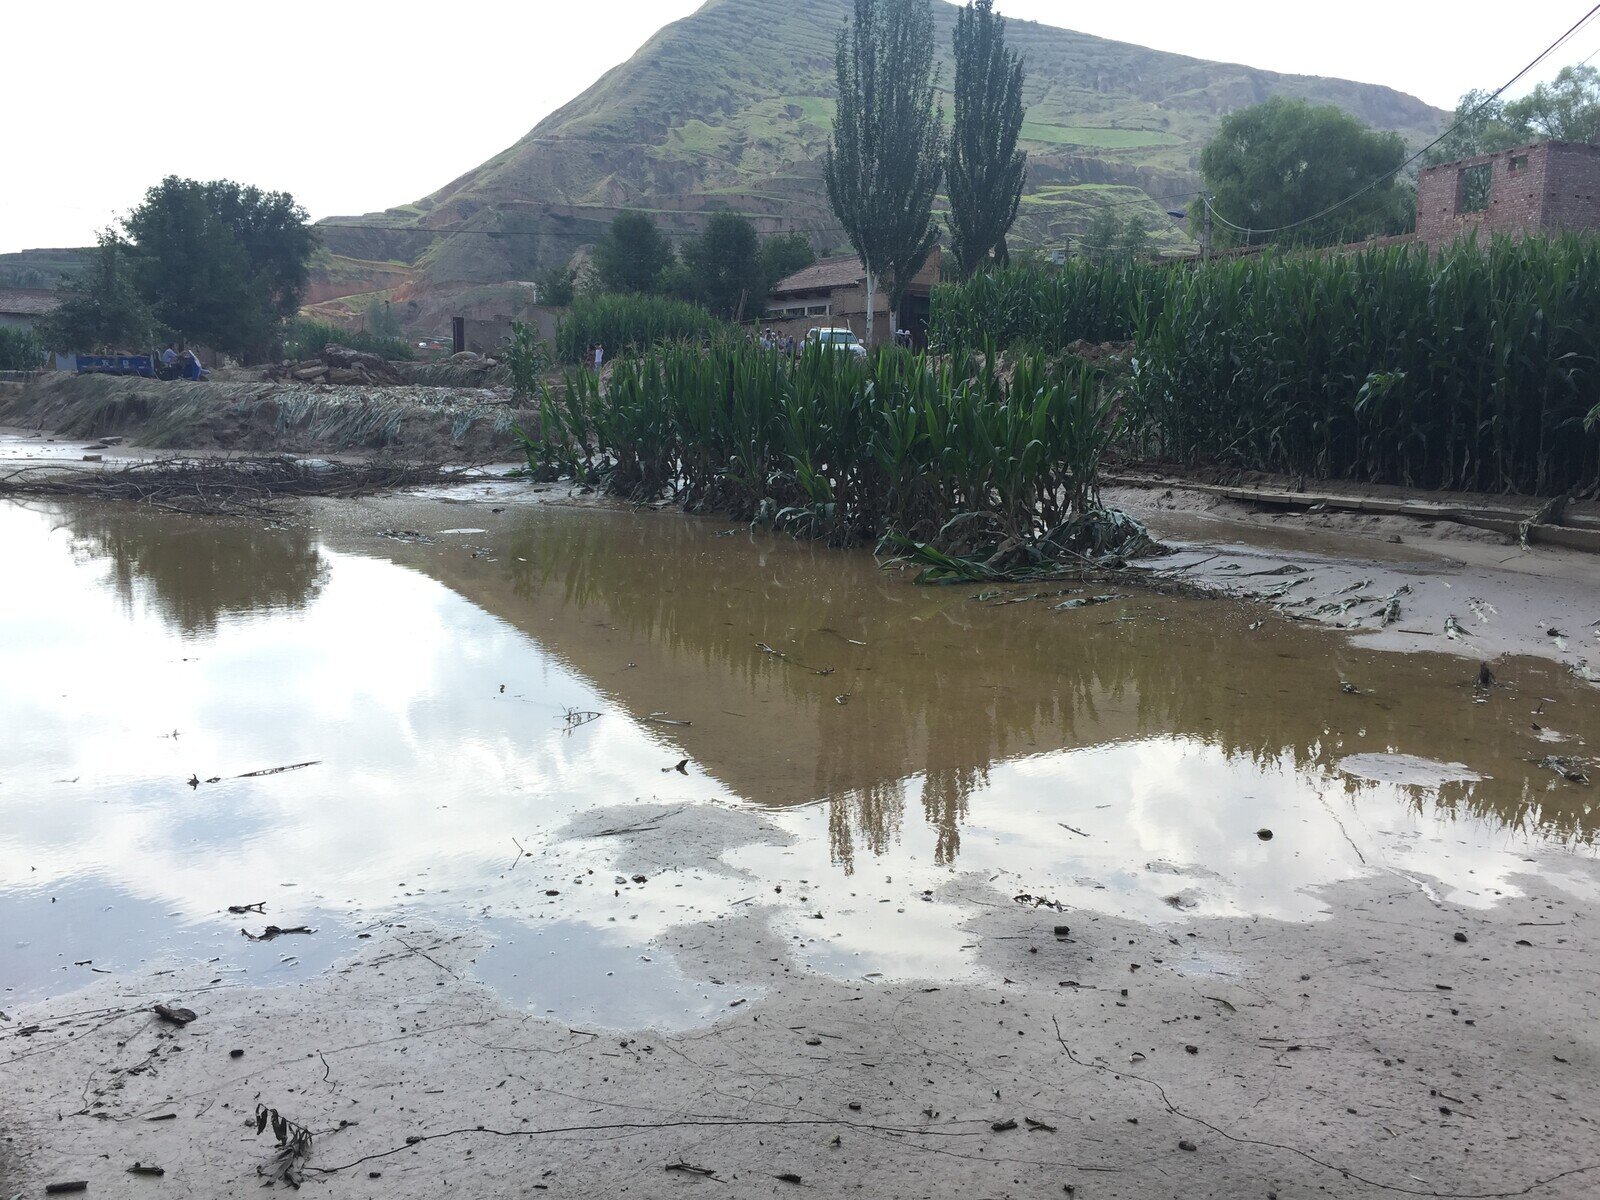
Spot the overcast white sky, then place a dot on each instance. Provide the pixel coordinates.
(358, 106)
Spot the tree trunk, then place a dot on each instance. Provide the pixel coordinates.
(872, 295)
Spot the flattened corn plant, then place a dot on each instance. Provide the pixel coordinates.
(835, 447)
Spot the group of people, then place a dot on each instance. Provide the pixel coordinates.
(180, 363)
(784, 344)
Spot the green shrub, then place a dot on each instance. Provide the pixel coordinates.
(631, 324)
(20, 350)
(305, 338)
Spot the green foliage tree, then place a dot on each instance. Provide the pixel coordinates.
(380, 320)
(220, 264)
(1112, 239)
(1284, 161)
(632, 255)
(1479, 126)
(724, 264)
(887, 157)
(1566, 109)
(782, 255)
(101, 308)
(986, 170)
(557, 285)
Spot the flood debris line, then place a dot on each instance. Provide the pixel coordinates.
(222, 485)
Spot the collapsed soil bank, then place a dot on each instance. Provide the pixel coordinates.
(435, 424)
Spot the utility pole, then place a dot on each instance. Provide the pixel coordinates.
(1205, 233)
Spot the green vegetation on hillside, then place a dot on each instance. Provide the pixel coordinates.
(736, 101)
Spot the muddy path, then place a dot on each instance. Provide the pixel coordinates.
(647, 843)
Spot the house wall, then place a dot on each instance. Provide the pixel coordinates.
(848, 307)
(488, 334)
(1546, 188)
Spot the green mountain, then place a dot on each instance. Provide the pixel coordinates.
(732, 108)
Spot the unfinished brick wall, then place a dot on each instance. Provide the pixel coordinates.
(1545, 188)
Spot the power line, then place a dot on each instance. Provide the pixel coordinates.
(1356, 195)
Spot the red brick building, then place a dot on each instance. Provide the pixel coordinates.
(1548, 187)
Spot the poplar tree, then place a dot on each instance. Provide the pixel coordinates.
(887, 158)
(986, 169)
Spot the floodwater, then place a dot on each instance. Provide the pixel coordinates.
(461, 695)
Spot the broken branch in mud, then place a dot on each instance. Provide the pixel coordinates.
(221, 485)
(278, 770)
(273, 931)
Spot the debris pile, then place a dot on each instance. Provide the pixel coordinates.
(341, 365)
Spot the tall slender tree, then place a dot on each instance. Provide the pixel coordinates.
(887, 157)
(986, 169)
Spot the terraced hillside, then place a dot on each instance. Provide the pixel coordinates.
(731, 108)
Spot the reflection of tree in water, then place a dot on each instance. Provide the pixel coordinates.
(947, 701)
(196, 571)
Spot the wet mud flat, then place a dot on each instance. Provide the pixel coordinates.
(671, 855)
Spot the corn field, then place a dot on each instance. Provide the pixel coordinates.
(835, 447)
(628, 324)
(1471, 369)
(1035, 307)
(1474, 368)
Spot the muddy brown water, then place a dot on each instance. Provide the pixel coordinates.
(465, 693)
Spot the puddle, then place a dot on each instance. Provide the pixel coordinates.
(567, 969)
(1406, 769)
(921, 752)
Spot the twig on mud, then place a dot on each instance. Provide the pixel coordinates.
(274, 931)
(792, 661)
(278, 770)
(650, 1126)
(643, 826)
(1312, 1158)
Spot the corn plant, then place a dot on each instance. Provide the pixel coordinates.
(1472, 369)
(629, 324)
(832, 446)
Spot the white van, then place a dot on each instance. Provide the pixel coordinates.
(838, 339)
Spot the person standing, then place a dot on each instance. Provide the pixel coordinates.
(599, 357)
